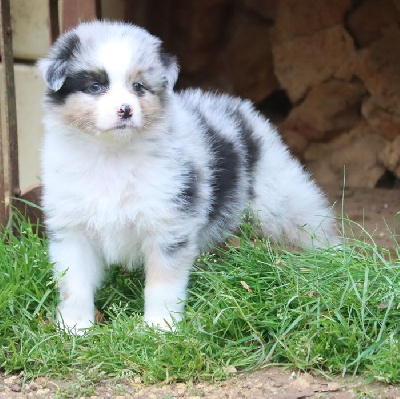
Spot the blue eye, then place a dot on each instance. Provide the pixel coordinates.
(138, 88)
(95, 88)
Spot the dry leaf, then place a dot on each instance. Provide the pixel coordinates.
(245, 286)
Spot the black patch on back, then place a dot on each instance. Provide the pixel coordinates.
(225, 172)
(251, 145)
(225, 169)
(77, 82)
(189, 194)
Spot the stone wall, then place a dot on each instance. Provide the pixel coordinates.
(328, 72)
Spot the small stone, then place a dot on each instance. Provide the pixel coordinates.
(43, 392)
(300, 383)
(333, 386)
(15, 388)
(33, 386)
(230, 369)
(41, 382)
(10, 380)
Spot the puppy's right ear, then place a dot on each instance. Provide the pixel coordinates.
(53, 72)
(54, 68)
(171, 67)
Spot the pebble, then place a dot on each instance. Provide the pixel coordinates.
(15, 387)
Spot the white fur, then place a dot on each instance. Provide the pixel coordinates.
(111, 196)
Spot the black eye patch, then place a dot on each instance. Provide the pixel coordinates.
(80, 81)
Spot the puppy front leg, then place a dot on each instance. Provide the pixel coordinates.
(165, 290)
(80, 271)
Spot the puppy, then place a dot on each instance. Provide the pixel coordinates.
(136, 174)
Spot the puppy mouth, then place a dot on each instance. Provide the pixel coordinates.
(124, 126)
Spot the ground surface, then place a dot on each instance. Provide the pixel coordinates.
(265, 383)
(373, 209)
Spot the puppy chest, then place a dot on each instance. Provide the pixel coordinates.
(120, 203)
(102, 188)
(128, 197)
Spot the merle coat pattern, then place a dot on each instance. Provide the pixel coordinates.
(136, 174)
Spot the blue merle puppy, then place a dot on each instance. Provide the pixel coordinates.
(134, 173)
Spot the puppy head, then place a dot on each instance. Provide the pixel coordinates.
(108, 78)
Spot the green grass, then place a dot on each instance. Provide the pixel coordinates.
(335, 311)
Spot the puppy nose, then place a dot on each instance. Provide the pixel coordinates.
(125, 111)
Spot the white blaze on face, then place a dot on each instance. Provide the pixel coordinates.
(116, 59)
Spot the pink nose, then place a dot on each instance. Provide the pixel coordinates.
(125, 111)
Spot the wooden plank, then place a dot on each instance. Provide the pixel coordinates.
(54, 22)
(9, 105)
(77, 11)
(3, 214)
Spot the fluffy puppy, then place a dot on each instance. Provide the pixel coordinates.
(134, 173)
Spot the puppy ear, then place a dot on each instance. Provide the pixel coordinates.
(54, 68)
(171, 67)
(53, 72)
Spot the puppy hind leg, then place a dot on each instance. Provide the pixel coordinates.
(165, 290)
(80, 272)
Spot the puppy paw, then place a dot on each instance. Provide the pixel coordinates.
(74, 323)
(163, 322)
(72, 328)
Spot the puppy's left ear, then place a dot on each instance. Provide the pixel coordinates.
(171, 68)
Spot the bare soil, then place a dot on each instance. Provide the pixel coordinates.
(271, 383)
(374, 210)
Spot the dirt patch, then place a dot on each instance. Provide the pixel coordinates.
(265, 383)
(374, 210)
